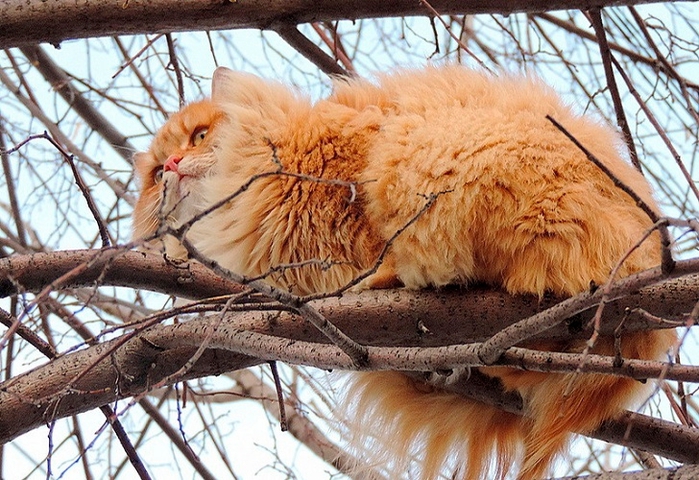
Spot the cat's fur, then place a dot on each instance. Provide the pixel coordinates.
(519, 207)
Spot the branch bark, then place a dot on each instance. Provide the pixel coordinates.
(33, 21)
(689, 472)
(134, 363)
(400, 315)
(33, 273)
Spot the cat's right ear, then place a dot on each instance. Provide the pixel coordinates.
(240, 88)
(231, 86)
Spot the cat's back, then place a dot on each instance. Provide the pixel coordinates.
(518, 202)
(438, 88)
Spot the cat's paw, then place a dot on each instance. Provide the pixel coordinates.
(385, 277)
(175, 253)
(444, 378)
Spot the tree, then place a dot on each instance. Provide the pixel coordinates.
(89, 321)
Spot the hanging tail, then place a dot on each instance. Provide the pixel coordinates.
(412, 430)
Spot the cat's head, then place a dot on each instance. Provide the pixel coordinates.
(170, 172)
(184, 150)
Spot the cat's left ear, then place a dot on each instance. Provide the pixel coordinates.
(142, 164)
(227, 85)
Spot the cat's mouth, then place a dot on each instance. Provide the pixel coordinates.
(178, 190)
(178, 185)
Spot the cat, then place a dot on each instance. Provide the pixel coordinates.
(495, 193)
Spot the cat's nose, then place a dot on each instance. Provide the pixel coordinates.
(171, 163)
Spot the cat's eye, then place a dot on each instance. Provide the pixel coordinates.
(158, 174)
(199, 135)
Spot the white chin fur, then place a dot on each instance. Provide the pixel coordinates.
(182, 198)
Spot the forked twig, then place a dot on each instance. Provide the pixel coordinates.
(297, 40)
(69, 158)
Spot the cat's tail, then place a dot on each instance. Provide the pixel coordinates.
(558, 404)
(410, 430)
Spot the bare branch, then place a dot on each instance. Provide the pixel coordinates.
(310, 50)
(135, 269)
(60, 81)
(34, 21)
(595, 15)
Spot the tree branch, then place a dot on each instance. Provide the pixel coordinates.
(95, 376)
(392, 319)
(61, 82)
(34, 21)
(297, 40)
(688, 472)
(32, 273)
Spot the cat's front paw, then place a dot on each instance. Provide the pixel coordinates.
(385, 277)
(444, 378)
(175, 252)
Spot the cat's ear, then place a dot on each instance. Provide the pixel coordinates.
(143, 162)
(140, 158)
(230, 86)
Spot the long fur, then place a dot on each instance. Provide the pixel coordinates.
(320, 188)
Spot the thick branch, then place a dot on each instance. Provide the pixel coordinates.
(689, 472)
(33, 21)
(631, 429)
(97, 376)
(84, 379)
(33, 273)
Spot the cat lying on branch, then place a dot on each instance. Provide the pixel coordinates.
(424, 179)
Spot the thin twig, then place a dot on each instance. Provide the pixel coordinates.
(570, 27)
(63, 139)
(597, 320)
(130, 59)
(665, 64)
(175, 64)
(595, 16)
(462, 45)
(11, 192)
(60, 81)
(335, 46)
(661, 132)
(283, 425)
(125, 442)
(430, 199)
(154, 413)
(101, 226)
(667, 262)
(142, 80)
(12, 323)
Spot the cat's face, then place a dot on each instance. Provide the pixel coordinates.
(170, 172)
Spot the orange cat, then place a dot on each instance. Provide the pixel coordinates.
(518, 206)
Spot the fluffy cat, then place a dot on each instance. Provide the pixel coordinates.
(518, 206)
